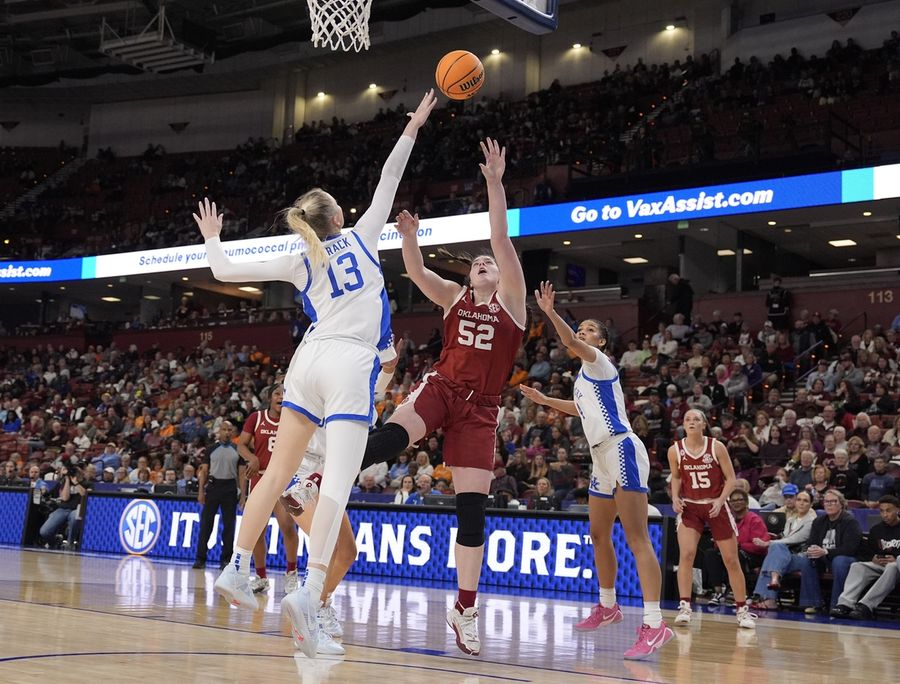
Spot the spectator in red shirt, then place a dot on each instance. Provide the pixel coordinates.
(749, 527)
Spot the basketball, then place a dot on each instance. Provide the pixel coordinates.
(459, 75)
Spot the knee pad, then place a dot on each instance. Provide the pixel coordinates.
(470, 515)
(384, 444)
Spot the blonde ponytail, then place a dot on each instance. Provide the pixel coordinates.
(312, 218)
(315, 250)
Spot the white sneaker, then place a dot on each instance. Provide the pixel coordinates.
(234, 587)
(300, 608)
(290, 581)
(745, 618)
(302, 493)
(328, 620)
(465, 626)
(259, 584)
(328, 646)
(684, 613)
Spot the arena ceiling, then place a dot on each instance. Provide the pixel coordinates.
(42, 41)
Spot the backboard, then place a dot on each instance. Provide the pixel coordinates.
(534, 16)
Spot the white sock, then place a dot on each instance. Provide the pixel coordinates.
(652, 614)
(315, 581)
(241, 560)
(608, 597)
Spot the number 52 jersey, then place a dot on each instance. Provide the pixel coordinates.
(480, 343)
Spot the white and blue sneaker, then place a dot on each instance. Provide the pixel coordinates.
(328, 621)
(234, 587)
(300, 608)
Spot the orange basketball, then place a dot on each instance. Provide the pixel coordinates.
(459, 75)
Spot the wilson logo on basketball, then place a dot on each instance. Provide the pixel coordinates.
(471, 83)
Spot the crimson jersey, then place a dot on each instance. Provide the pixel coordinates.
(701, 475)
(263, 428)
(480, 344)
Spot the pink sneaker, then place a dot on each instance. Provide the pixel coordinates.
(649, 641)
(600, 617)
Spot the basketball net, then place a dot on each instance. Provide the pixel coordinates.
(340, 24)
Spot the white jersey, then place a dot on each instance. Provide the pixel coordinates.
(600, 400)
(345, 298)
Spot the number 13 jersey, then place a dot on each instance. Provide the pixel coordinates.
(480, 343)
(702, 479)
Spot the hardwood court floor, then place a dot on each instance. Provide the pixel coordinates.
(72, 618)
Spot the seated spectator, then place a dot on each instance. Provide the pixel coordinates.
(562, 473)
(872, 445)
(170, 479)
(668, 347)
(678, 330)
(633, 357)
(405, 490)
(399, 470)
(881, 564)
(892, 439)
(878, 483)
(379, 473)
(780, 558)
(109, 458)
(743, 485)
(424, 487)
(188, 484)
(843, 477)
(544, 498)
(749, 527)
(369, 485)
(834, 541)
(774, 452)
(821, 484)
(424, 465)
(698, 400)
(778, 492)
(802, 475)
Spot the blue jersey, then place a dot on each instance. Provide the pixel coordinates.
(600, 400)
(345, 298)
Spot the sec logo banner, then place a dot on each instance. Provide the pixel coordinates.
(139, 526)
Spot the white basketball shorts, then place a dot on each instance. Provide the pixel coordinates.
(620, 462)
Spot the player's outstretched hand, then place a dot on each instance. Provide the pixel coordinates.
(209, 221)
(420, 116)
(407, 224)
(536, 396)
(494, 160)
(545, 297)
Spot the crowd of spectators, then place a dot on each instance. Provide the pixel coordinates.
(145, 202)
(825, 426)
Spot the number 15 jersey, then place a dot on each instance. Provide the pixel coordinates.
(702, 479)
(480, 343)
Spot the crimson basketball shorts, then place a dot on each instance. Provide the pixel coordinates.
(469, 420)
(697, 517)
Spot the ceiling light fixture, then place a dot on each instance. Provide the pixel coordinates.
(867, 213)
(250, 288)
(576, 46)
(842, 243)
(567, 242)
(184, 277)
(495, 51)
(670, 27)
(320, 94)
(110, 299)
(635, 260)
(773, 223)
(725, 252)
(372, 86)
(152, 298)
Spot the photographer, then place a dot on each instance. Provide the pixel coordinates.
(71, 489)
